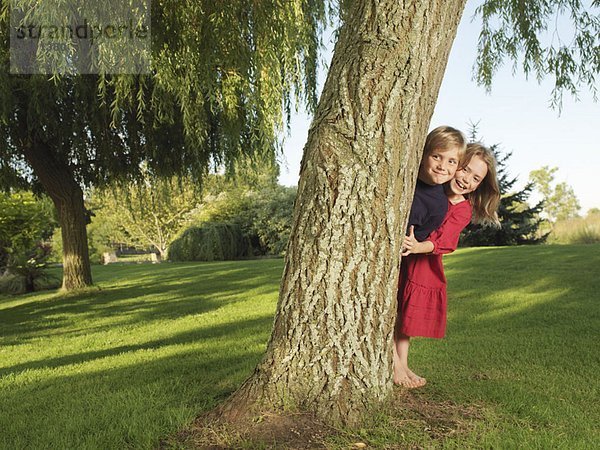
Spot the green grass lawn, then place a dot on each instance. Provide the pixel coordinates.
(134, 362)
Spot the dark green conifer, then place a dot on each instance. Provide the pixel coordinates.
(519, 222)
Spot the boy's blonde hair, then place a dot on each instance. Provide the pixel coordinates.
(486, 198)
(445, 138)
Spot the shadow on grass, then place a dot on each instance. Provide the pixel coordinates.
(146, 292)
(525, 288)
(201, 334)
(139, 395)
(138, 404)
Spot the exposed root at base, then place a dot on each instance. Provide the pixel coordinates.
(226, 428)
(267, 430)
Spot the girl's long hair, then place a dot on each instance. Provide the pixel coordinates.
(486, 198)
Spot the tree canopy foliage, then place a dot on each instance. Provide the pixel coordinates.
(560, 201)
(222, 76)
(528, 33)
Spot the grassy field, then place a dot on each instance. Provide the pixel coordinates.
(134, 362)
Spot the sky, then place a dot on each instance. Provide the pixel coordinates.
(516, 115)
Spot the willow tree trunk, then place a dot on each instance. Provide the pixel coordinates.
(60, 185)
(331, 346)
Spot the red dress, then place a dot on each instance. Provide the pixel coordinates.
(422, 294)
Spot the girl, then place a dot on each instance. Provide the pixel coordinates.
(443, 150)
(472, 193)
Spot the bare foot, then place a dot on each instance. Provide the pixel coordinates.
(416, 378)
(408, 383)
(407, 378)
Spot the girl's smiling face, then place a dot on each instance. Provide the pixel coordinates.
(468, 178)
(439, 166)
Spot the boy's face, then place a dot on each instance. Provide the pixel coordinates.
(439, 166)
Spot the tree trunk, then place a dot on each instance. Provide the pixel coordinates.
(164, 253)
(59, 183)
(331, 346)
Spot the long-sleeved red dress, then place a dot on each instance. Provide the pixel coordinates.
(422, 297)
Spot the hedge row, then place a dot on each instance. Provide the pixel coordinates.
(211, 241)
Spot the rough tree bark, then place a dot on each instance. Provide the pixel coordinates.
(330, 348)
(59, 184)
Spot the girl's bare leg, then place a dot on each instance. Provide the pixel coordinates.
(403, 376)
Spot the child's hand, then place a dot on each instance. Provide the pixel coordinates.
(409, 243)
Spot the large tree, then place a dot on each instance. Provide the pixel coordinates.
(221, 77)
(330, 348)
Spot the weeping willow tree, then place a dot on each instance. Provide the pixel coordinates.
(330, 349)
(219, 80)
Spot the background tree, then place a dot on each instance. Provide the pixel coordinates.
(560, 201)
(519, 223)
(151, 212)
(215, 91)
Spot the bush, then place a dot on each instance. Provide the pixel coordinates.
(12, 284)
(586, 235)
(272, 222)
(25, 220)
(264, 216)
(16, 284)
(211, 241)
(576, 231)
(27, 272)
